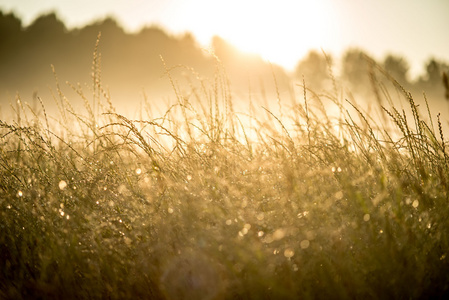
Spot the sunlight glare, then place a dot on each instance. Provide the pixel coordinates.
(260, 27)
(263, 31)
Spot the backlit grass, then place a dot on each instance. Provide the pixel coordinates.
(204, 202)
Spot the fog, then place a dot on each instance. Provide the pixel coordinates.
(45, 58)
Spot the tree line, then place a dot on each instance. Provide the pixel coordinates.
(356, 65)
(132, 61)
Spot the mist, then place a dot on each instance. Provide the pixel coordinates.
(45, 58)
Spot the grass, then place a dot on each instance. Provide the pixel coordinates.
(203, 202)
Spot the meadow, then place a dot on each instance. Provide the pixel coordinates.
(285, 201)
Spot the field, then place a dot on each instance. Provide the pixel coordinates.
(202, 202)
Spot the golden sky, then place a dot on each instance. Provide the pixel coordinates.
(281, 31)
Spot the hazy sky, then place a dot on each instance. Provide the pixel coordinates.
(281, 30)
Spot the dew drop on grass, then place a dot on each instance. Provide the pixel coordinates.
(336, 169)
(279, 234)
(302, 214)
(310, 235)
(138, 171)
(170, 210)
(289, 252)
(122, 189)
(366, 217)
(260, 233)
(268, 239)
(415, 203)
(305, 244)
(19, 194)
(339, 195)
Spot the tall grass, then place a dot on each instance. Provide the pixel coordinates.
(203, 202)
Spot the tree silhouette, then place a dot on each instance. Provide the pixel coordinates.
(11, 36)
(47, 34)
(355, 69)
(314, 68)
(446, 85)
(398, 68)
(433, 81)
(433, 72)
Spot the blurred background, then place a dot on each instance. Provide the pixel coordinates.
(254, 40)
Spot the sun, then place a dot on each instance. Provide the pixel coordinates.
(280, 31)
